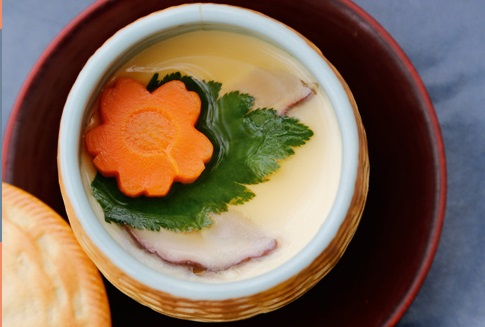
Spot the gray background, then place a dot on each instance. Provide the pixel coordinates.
(445, 40)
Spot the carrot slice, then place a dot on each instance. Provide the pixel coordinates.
(147, 140)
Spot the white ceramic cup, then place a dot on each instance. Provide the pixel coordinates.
(221, 301)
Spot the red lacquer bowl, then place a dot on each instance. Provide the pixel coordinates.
(390, 255)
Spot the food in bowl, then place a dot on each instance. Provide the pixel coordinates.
(267, 212)
(257, 191)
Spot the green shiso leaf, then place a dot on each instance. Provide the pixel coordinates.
(248, 146)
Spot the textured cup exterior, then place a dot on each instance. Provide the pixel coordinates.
(269, 299)
(243, 307)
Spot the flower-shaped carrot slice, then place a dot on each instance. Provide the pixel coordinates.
(148, 140)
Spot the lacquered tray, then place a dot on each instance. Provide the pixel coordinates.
(389, 257)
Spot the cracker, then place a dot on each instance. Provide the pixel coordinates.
(47, 279)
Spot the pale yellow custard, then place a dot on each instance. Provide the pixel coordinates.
(294, 203)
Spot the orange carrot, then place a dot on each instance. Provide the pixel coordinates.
(148, 140)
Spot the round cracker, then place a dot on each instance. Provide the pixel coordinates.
(47, 279)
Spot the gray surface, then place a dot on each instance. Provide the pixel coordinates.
(446, 42)
(445, 39)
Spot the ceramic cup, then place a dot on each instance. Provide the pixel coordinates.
(225, 300)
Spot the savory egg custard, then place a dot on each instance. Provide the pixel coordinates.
(212, 155)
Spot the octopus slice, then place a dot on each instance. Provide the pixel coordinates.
(229, 241)
(279, 90)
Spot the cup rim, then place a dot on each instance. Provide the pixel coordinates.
(92, 75)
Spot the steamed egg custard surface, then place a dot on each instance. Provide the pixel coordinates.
(287, 208)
